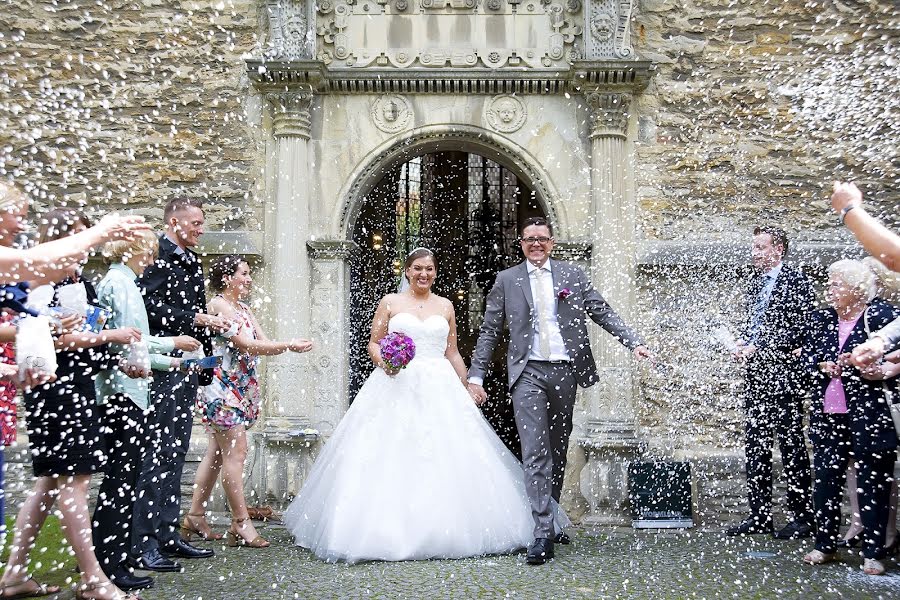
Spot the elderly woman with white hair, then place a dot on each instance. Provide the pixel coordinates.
(850, 418)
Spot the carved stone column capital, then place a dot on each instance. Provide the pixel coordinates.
(609, 113)
(290, 113)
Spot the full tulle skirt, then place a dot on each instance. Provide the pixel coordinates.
(413, 471)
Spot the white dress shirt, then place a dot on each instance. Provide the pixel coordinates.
(549, 319)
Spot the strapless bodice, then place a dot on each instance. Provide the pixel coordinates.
(429, 334)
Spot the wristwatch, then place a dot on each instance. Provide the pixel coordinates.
(845, 210)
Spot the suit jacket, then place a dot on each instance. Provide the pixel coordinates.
(173, 290)
(871, 428)
(510, 304)
(784, 318)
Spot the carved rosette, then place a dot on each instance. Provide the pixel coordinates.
(609, 113)
(505, 113)
(392, 113)
(290, 113)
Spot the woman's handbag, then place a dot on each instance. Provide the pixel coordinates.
(889, 396)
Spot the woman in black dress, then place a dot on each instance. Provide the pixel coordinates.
(65, 441)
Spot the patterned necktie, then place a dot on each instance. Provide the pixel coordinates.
(540, 302)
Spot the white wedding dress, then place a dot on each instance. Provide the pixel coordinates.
(413, 471)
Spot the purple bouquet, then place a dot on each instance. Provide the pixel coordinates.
(397, 349)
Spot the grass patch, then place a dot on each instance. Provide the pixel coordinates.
(52, 561)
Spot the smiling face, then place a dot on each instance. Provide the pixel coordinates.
(241, 284)
(12, 221)
(421, 273)
(537, 243)
(186, 225)
(764, 253)
(842, 296)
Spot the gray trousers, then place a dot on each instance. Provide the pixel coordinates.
(543, 398)
(158, 506)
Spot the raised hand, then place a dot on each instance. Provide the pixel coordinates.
(300, 345)
(186, 343)
(118, 227)
(123, 335)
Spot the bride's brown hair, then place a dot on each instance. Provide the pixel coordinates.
(419, 253)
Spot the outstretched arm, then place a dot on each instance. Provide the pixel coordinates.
(601, 313)
(49, 261)
(878, 240)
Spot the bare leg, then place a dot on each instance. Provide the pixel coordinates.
(205, 480)
(856, 526)
(29, 521)
(76, 526)
(234, 447)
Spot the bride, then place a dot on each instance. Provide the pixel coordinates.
(413, 471)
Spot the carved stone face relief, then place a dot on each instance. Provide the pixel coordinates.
(603, 26)
(392, 113)
(505, 113)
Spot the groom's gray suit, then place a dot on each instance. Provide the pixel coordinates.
(543, 391)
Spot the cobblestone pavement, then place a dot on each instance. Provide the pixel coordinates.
(597, 565)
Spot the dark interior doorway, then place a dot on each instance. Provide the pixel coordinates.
(466, 208)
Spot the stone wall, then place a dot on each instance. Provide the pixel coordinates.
(126, 102)
(757, 106)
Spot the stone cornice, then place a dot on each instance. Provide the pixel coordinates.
(331, 249)
(624, 75)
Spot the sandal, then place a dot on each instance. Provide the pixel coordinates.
(262, 513)
(817, 557)
(872, 566)
(41, 590)
(188, 529)
(102, 588)
(234, 539)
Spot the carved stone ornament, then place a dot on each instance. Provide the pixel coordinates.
(290, 35)
(290, 113)
(609, 23)
(505, 113)
(609, 110)
(392, 113)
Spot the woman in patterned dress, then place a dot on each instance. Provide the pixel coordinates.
(230, 405)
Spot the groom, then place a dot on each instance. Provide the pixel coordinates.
(544, 303)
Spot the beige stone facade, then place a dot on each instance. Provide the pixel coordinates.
(655, 134)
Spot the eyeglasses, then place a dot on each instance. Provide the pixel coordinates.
(535, 240)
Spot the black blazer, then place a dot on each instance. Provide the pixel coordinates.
(173, 290)
(784, 319)
(871, 428)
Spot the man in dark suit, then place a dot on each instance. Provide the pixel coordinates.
(176, 303)
(779, 297)
(545, 305)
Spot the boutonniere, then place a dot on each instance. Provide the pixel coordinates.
(564, 293)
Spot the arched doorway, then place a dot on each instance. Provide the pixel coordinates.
(468, 209)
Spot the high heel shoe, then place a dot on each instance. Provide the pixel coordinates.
(188, 530)
(851, 542)
(233, 539)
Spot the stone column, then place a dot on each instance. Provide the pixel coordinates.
(289, 397)
(329, 306)
(280, 451)
(610, 437)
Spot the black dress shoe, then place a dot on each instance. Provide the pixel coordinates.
(182, 549)
(153, 560)
(540, 551)
(749, 526)
(794, 531)
(127, 581)
(563, 538)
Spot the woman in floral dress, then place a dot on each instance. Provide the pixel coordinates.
(230, 405)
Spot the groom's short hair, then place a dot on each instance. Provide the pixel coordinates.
(536, 222)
